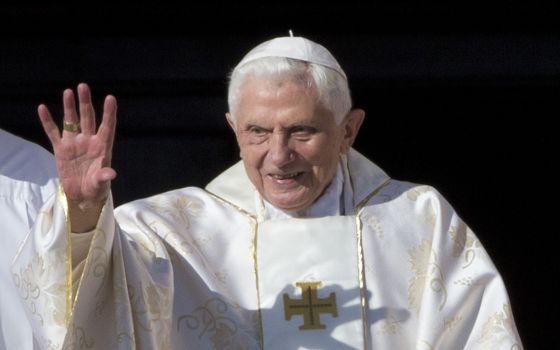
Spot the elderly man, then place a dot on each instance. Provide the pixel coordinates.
(303, 244)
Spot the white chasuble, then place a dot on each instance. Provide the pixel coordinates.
(202, 269)
(309, 283)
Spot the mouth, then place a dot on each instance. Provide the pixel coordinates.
(285, 178)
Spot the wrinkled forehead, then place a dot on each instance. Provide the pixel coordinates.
(271, 97)
(279, 83)
(279, 89)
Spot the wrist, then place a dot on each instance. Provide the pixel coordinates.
(84, 215)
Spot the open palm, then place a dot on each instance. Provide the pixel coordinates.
(83, 157)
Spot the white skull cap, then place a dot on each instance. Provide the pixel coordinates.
(297, 48)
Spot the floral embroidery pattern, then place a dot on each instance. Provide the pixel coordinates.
(211, 321)
(467, 282)
(464, 241)
(426, 271)
(450, 323)
(498, 328)
(179, 208)
(373, 223)
(150, 306)
(37, 288)
(97, 262)
(78, 339)
(391, 326)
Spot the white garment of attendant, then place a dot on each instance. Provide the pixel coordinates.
(211, 269)
(27, 179)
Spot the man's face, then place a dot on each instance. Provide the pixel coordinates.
(289, 144)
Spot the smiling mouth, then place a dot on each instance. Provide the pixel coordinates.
(285, 177)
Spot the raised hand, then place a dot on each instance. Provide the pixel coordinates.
(83, 155)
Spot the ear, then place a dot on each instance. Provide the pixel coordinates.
(231, 122)
(350, 127)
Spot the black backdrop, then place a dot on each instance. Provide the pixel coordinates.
(462, 97)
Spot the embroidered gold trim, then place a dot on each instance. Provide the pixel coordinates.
(69, 300)
(361, 263)
(364, 201)
(254, 229)
(362, 282)
(89, 255)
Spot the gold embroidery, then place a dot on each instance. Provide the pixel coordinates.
(425, 267)
(362, 279)
(220, 277)
(211, 321)
(78, 339)
(138, 308)
(391, 326)
(364, 201)
(151, 312)
(373, 223)
(186, 247)
(179, 209)
(121, 337)
(38, 287)
(467, 282)
(361, 261)
(98, 258)
(450, 323)
(416, 192)
(464, 241)
(310, 306)
(498, 328)
(68, 251)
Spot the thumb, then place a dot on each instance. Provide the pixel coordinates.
(106, 174)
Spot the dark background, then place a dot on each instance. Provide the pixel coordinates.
(459, 95)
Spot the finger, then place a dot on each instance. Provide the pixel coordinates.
(48, 125)
(70, 114)
(107, 128)
(87, 113)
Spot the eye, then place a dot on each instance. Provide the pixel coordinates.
(256, 134)
(257, 131)
(302, 132)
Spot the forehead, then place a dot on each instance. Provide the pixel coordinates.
(280, 97)
(278, 85)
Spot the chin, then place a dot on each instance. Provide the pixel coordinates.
(289, 206)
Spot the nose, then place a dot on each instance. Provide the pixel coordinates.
(280, 152)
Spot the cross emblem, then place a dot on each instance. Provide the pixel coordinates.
(309, 306)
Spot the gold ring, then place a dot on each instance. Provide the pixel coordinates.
(71, 126)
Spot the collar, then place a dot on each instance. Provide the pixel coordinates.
(361, 175)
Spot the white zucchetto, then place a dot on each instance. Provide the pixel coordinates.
(297, 48)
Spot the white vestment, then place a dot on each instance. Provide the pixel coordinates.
(208, 269)
(27, 178)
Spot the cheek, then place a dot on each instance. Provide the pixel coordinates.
(323, 151)
(323, 161)
(252, 156)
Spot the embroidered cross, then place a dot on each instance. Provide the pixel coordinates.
(310, 306)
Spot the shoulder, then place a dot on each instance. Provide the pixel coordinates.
(173, 204)
(27, 171)
(409, 194)
(24, 160)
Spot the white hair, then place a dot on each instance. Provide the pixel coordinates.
(332, 88)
